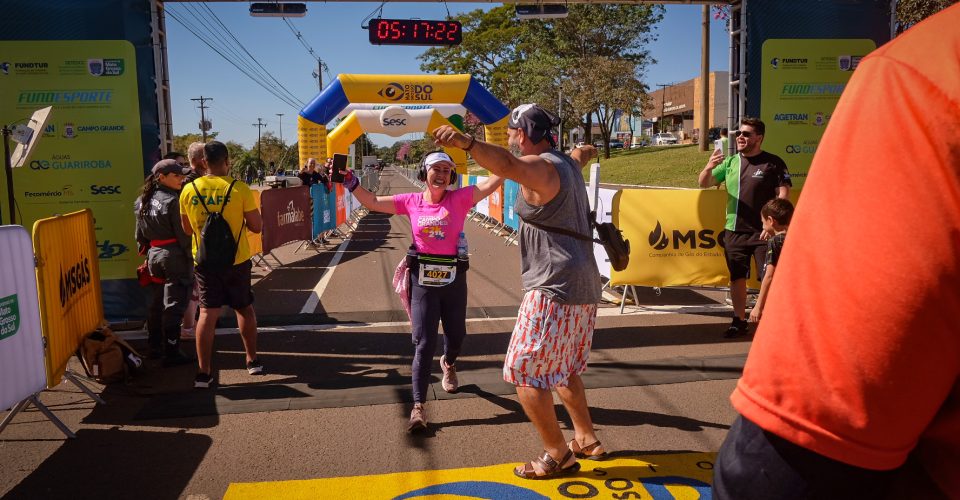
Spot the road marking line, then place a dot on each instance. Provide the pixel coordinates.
(318, 290)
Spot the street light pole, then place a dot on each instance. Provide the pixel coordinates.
(280, 122)
(260, 124)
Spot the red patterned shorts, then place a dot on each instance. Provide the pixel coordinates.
(550, 342)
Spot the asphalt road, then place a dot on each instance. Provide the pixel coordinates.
(335, 400)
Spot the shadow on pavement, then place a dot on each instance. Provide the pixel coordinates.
(117, 464)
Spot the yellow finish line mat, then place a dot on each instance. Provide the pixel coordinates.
(660, 477)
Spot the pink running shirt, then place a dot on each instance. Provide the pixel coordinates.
(436, 227)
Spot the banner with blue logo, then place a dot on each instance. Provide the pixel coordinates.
(324, 209)
(510, 191)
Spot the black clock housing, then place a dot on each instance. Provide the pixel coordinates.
(415, 32)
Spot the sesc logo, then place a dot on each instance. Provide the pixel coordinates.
(393, 91)
(394, 117)
(98, 190)
(704, 239)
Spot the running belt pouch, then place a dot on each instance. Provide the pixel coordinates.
(413, 259)
(217, 247)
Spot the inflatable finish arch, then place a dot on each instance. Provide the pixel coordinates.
(314, 142)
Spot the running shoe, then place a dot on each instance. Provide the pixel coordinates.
(254, 367)
(449, 381)
(203, 381)
(418, 418)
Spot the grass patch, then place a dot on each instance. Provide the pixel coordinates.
(665, 166)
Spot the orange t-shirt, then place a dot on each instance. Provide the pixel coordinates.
(858, 353)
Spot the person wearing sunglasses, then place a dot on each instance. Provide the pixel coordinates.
(753, 177)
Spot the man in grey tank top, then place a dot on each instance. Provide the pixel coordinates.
(554, 331)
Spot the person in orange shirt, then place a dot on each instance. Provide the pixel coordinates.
(850, 388)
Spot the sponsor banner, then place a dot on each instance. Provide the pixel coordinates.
(255, 240)
(22, 370)
(89, 155)
(405, 89)
(324, 210)
(496, 133)
(68, 283)
(286, 216)
(510, 192)
(675, 237)
(495, 200)
(662, 476)
(483, 206)
(802, 80)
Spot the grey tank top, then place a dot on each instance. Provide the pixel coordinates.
(561, 266)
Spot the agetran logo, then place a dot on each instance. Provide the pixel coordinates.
(684, 242)
(292, 215)
(410, 92)
(109, 250)
(74, 280)
(792, 118)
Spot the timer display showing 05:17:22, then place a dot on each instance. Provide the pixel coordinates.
(415, 32)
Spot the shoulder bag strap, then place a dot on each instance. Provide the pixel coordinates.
(566, 232)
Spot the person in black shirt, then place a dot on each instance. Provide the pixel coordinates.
(753, 177)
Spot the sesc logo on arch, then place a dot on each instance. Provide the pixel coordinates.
(394, 118)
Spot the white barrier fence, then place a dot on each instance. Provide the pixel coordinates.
(23, 373)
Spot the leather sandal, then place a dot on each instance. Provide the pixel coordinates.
(593, 451)
(545, 467)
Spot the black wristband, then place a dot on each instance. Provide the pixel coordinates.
(473, 141)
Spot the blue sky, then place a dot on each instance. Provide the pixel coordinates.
(333, 31)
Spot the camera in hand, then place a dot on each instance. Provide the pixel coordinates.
(339, 164)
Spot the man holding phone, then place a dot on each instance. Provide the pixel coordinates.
(753, 177)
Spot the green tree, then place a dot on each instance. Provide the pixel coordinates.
(604, 86)
(182, 142)
(910, 12)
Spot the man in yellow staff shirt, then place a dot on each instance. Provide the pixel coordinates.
(218, 192)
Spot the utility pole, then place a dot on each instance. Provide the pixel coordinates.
(704, 80)
(280, 122)
(560, 115)
(204, 126)
(260, 124)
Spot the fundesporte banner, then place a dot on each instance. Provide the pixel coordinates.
(801, 83)
(89, 155)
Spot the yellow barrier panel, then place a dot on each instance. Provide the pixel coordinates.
(311, 141)
(673, 237)
(671, 475)
(255, 240)
(68, 285)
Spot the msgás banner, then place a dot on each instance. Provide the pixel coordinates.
(89, 155)
(801, 83)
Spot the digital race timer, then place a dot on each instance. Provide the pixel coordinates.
(414, 32)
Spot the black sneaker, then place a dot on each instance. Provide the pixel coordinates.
(738, 328)
(203, 381)
(254, 367)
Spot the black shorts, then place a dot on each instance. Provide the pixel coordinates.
(226, 288)
(738, 247)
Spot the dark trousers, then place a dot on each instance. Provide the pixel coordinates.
(755, 464)
(169, 299)
(428, 307)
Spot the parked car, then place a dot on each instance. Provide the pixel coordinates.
(288, 179)
(616, 145)
(664, 138)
